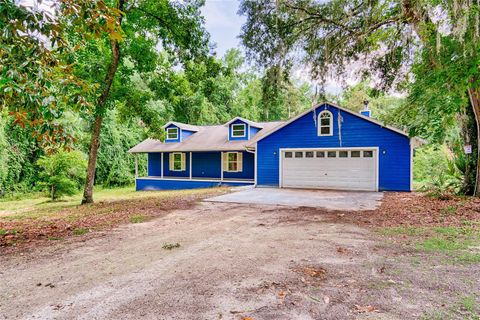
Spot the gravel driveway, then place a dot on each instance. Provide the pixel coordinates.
(235, 261)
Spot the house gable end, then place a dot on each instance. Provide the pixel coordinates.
(351, 131)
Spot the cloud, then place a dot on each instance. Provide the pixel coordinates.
(223, 23)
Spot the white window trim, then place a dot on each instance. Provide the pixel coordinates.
(238, 162)
(182, 164)
(168, 133)
(319, 124)
(244, 130)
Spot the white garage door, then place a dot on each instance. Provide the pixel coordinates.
(343, 169)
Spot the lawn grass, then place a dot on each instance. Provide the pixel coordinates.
(39, 218)
(466, 307)
(457, 244)
(138, 218)
(38, 206)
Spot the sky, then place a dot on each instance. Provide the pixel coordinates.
(223, 24)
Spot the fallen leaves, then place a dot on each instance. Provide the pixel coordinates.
(314, 272)
(365, 309)
(103, 215)
(418, 209)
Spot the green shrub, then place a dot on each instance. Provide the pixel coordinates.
(435, 170)
(62, 173)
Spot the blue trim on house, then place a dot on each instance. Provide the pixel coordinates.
(179, 138)
(145, 184)
(393, 157)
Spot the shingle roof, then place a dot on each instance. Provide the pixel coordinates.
(251, 123)
(182, 126)
(207, 138)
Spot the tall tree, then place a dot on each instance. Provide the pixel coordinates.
(382, 37)
(175, 26)
(36, 82)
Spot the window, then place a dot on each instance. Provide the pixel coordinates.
(332, 154)
(343, 154)
(238, 130)
(309, 154)
(177, 161)
(320, 154)
(233, 162)
(325, 121)
(367, 154)
(355, 154)
(288, 154)
(298, 154)
(172, 133)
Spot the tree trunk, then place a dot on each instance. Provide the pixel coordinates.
(468, 132)
(99, 114)
(474, 95)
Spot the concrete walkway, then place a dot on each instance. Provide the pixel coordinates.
(327, 199)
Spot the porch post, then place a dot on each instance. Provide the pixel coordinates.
(136, 166)
(221, 166)
(161, 165)
(190, 171)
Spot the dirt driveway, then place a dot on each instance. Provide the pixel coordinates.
(234, 261)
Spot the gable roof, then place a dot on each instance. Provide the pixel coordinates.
(182, 126)
(251, 123)
(207, 138)
(286, 123)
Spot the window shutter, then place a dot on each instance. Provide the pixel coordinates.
(170, 161)
(239, 161)
(183, 161)
(225, 161)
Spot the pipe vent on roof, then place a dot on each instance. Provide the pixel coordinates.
(366, 112)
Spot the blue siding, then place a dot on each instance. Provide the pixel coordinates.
(394, 148)
(206, 164)
(230, 130)
(186, 133)
(253, 131)
(179, 134)
(154, 164)
(152, 184)
(166, 166)
(248, 171)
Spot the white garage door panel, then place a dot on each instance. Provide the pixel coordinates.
(330, 173)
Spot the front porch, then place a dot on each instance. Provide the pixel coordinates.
(177, 183)
(196, 170)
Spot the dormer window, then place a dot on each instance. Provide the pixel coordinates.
(172, 133)
(238, 130)
(325, 123)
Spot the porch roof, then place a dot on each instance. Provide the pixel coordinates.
(207, 138)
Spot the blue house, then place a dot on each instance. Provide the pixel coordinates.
(325, 147)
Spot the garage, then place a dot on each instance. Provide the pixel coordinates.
(341, 169)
